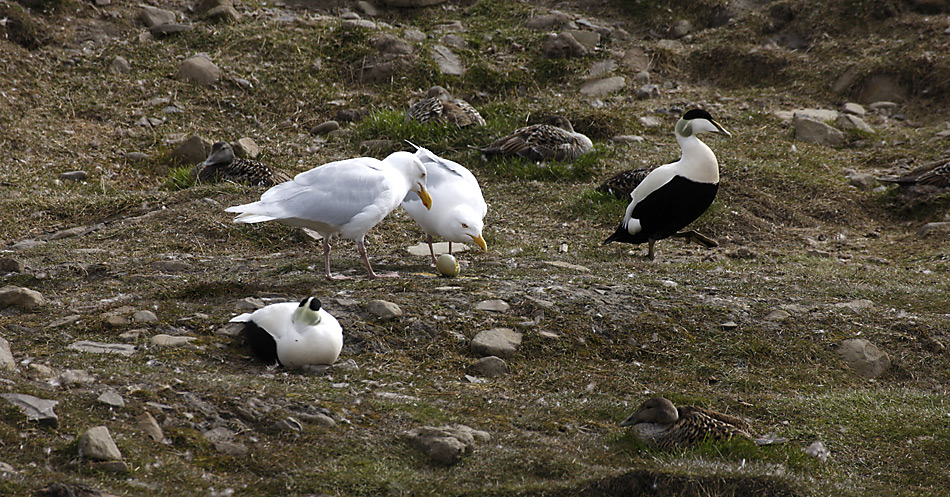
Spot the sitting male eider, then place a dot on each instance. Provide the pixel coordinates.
(554, 139)
(222, 165)
(293, 334)
(676, 194)
(661, 424)
(439, 106)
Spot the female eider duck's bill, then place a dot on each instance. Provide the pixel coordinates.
(293, 334)
(674, 195)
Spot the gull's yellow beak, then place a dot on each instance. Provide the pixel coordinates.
(426, 199)
(480, 242)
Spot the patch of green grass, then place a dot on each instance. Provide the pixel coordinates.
(595, 205)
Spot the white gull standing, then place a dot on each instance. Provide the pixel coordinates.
(460, 208)
(345, 198)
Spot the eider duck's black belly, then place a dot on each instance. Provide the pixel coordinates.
(673, 206)
(261, 342)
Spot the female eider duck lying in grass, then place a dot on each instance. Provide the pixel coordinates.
(292, 334)
(554, 139)
(659, 423)
(674, 195)
(222, 165)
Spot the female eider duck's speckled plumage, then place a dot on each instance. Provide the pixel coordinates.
(439, 106)
(622, 184)
(936, 174)
(461, 208)
(555, 139)
(345, 198)
(222, 165)
(675, 194)
(661, 424)
(293, 334)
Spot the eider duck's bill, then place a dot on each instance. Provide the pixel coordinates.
(720, 129)
(629, 421)
(480, 242)
(426, 199)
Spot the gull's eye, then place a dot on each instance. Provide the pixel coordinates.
(464, 225)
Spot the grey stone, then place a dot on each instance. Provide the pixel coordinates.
(111, 398)
(817, 132)
(116, 321)
(7, 363)
(97, 444)
(648, 91)
(324, 128)
(35, 408)
(23, 298)
(362, 23)
(865, 358)
(454, 40)
(563, 46)
(8, 265)
(68, 232)
(856, 305)
(199, 69)
(367, 8)
(853, 108)
(671, 45)
(490, 367)
(381, 68)
(680, 29)
(931, 228)
(414, 35)
(862, 181)
(650, 121)
(642, 77)
(73, 377)
(448, 62)
(102, 348)
(383, 309)
(171, 341)
(777, 315)
(218, 434)
(120, 65)
(879, 87)
(412, 3)
(588, 39)
(223, 13)
(883, 107)
(499, 342)
(192, 150)
(850, 121)
(249, 304)
(73, 176)
(627, 139)
(603, 87)
(27, 244)
(169, 29)
(495, 305)
(144, 316)
(246, 148)
(553, 20)
(230, 448)
(136, 156)
(392, 45)
(636, 59)
(445, 445)
(602, 67)
(146, 422)
(152, 16)
(816, 114)
(818, 451)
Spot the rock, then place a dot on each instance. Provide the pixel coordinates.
(648, 91)
(815, 114)
(444, 445)
(650, 121)
(603, 87)
(383, 310)
(111, 398)
(568, 265)
(367, 8)
(246, 148)
(102, 348)
(493, 305)
(7, 363)
(116, 321)
(680, 29)
(10, 265)
(324, 128)
(636, 59)
(222, 439)
(562, 46)
(862, 181)
(97, 444)
(856, 305)
(627, 139)
(883, 107)
(778, 315)
(671, 45)
(392, 45)
(380, 69)
(170, 341)
(490, 367)
(931, 228)
(199, 69)
(879, 87)
(850, 121)
(642, 77)
(602, 67)
(819, 451)
(349, 115)
(218, 10)
(23, 298)
(447, 61)
(192, 150)
(455, 41)
(147, 424)
(120, 65)
(853, 108)
(866, 359)
(35, 408)
(73, 176)
(587, 39)
(550, 21)
(73, 377)
(169, 29)
(152, 16)
(412, 3)
(500, 342)
(144, 316)
(817, 132)
(27, 244)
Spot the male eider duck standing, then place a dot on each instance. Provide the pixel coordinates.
(293, 334)
(676, 194)
(661, 424)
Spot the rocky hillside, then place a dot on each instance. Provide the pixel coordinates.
(821, 317)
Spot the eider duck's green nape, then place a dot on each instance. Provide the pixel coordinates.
(698, 121)
(308, 312)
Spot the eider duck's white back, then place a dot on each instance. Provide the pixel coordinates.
(461, 208)
(293, 334)
(345, 198)
(674, 195)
